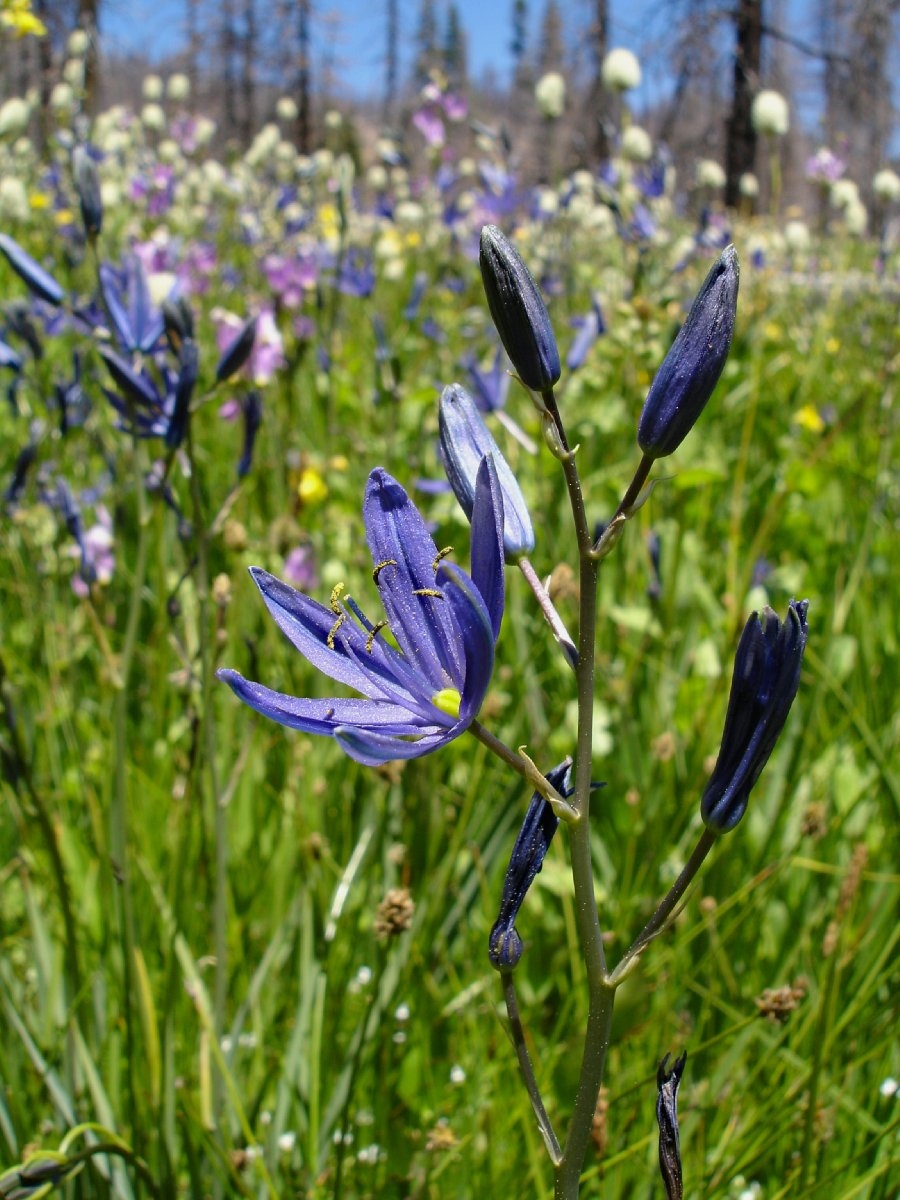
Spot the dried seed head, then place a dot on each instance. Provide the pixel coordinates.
(395, 913)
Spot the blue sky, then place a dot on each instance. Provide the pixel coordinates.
(156, 26)
(357, 48)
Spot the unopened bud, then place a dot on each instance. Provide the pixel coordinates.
(518, 311)
(87, 185)
(237, 352)
(691, 369)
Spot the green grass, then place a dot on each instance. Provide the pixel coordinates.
(336, 1042)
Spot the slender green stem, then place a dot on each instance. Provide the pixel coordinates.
(220, 908)
(531, 1085)
(666, 906)
(633, 491)
(118, 818)
(523, 766)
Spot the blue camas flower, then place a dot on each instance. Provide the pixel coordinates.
(465, 440)
(426, 693)
(137, 323)
(765, 681)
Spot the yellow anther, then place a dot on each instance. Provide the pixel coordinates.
(441, 554)
(428, 592)
(448, 701)
(329, 641)
(379, 567)
(335, 596)
(373, 633)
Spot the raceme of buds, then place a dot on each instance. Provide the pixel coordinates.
(763, 686)
(465, 440)
(135, 385)
(251, 408)
(504, 945)
(691, 369)
(237, 352)
(87, 185)
(518, 311)
(667, 1118)
(38, 281)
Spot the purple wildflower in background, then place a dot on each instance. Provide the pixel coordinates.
(137, 323)
(590, 327)
(489, 387)
(445, 622)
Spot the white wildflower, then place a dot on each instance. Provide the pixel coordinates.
(550, 95)
(152, 88)
(621, 71)
(885, 184)
(710, 174)
(769, 113)
(636, 144)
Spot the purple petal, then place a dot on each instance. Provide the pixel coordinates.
(320, 716)
(487, 541)
(422, 624)
(375, 749)
(477, 634)
(307, 625)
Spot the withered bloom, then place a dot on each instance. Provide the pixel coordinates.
(667, 1118)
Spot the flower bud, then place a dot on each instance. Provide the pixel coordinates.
(518, 311)
(87, 185)
(763, 686)
(184, 387)
(37, 280)
(465, 440)
(691, 369)
(251, 409)
(533, 841)
(178, 322)
(237, 352)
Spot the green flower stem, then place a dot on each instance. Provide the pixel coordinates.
(524, 766)
(600, 994)
(220, 907)
(634, 488)
(531, 1085)
(666, 906)
(118, 817)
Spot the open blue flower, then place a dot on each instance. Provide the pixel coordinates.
(427, 691)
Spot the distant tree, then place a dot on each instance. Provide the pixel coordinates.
(551, 44)
(455, 49)
(227, 39)
(88, 20)
(391, 60)
(304, 82)
(597, 98)
(519, 42)
(740, 139)
(426, 43)
(249, 55)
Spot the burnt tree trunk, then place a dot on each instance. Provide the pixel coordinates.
(740, 146)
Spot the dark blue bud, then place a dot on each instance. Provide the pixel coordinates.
(9, 358)
(237, 352)
(251, 408)
(465, 440)
(527, 858)
(38, 281)
(667, 1118)
(518, 311)
(87, 187)
(184, 387)
(763, 686)
(691, 369)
